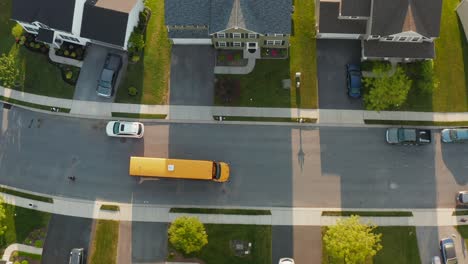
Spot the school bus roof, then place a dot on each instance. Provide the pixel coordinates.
(171, 168)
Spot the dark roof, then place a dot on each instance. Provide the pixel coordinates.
(57, 14)
(191, 33)
(329, 22)
(396, 16)
(187, 12)
(355, 7)
(45, 35)
(104, 25)
(256, 15)
(391, 49)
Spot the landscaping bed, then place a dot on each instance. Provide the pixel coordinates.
(25, 258)
(220, 211)
(220, 245)
(274, 53)
(71, 51)
(150, 75)
(231, 58)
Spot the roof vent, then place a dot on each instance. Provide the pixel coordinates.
(170, 167)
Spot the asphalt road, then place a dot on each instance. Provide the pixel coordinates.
(270, 165)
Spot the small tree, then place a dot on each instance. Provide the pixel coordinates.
(386, 91)
(9, 72)
(351, 241)
(17, 31)
(187, 234)
(136, 41)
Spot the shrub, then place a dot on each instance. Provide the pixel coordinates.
(69, 75)
(132, 91)
(135, 58)
(73, 54)
(60, 52)
(38, 243)
(66, 53)
(17, 262)
(17, 31)
(221, 58)
(136, 41)
(31, 44)
(24, 262)
(37, 45)
(237, 56)
(79, 52)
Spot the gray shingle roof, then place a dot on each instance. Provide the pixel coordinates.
(187, 12)
(355, 7)
(329, 22)
(262, 16)
(381, 49)
(396, 16)
(189, 33)
(57, 14)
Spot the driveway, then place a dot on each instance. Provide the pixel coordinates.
(65, 233)
(192, 75)
(149, 242)
(332, 57)
(302, 243)
(92, 66)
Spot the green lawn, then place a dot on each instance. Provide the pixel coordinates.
(151, 74)
(20, 222)
(451, 63)
(37, 76)
(263, 86)
(399, 246)
(218, 249)
(104, 245)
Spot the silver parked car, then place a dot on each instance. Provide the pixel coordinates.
(76, 256)
(454, 135)
(462, 198)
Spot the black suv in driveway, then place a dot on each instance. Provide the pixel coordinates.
(109, 75)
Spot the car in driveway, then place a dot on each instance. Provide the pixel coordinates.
(454, 135)
(125, 129)
(353, 80)
(76, 256)
(447, 250)
(286, 261)
(436, 260)
(109, 73)
(408, 136)
(462, 198)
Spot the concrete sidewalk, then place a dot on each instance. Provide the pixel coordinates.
(279, 215)
(20, 247)
(90, 109)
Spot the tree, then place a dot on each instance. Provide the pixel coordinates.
(9, 73)
(386, 91)
(17, 31)
(351, 241)
(136, 41)
(3, 226)
(187, 234)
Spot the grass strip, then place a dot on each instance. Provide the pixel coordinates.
(104, 245)
(220, 211)
(414, 123)
(139, 116)
(368, 213)
(265, 119)
(29, 255)
(110, 207)
(27, 195)
(460, 212)
(32, 105)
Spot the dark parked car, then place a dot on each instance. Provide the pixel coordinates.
(447, 250)
(353, 78)
(109, 75)
(408, 136)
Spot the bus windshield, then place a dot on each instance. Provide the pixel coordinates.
(216, 171)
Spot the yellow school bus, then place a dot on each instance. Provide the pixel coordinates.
(179, 169)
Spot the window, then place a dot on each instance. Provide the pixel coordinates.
(402, 39)
(388, 38)
(236, 35)
(237, 44)
(252, 35)
(415, 39)
(375, 37)
(30, 29)
(278, 42)
(270, 42)
(222, 44)
(221, 35)
(279, 35)
(69, 38)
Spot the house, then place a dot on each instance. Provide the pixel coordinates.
(462, 11)
(229, 24)
(104, 22)
(401, 30)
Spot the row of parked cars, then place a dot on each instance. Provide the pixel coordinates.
(416, 136)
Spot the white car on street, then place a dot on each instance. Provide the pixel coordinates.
(286, 261)
(125, 129)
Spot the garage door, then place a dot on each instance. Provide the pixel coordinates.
(180, 41)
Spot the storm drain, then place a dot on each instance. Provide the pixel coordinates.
(6, 106)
